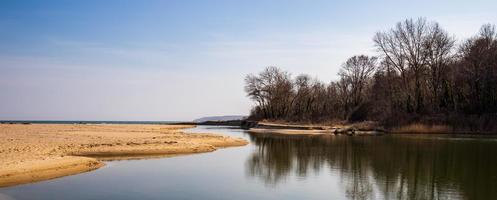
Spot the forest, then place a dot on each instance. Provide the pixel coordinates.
(420, 74)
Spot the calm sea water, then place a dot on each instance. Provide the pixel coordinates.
(294, 167)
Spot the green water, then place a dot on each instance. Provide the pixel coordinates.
(295, 167)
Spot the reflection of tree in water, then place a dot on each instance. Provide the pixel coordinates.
(278, 157)
(396, 167)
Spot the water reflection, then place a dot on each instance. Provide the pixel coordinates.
(386, 167)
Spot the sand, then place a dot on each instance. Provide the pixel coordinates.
(366, 128)
(35, 152)
(283, 131)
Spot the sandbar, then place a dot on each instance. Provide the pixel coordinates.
(36, 152)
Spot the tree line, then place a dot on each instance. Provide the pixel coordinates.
(420, 74)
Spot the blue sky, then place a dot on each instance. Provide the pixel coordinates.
(179, 60)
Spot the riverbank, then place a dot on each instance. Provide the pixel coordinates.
(360, 128)
(35, 152)
(364, 128)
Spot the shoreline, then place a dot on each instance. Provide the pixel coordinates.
(308, 129)
(311, 132)
(359, 129)
(37, 152)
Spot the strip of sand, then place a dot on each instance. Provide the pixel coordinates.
(361, 129)
(288, 131)
(38, 152)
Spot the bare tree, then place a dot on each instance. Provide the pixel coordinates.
(302, 97)
(478, 66)
(358, 70)
(272, 90)
(404, 47)
(439, 49)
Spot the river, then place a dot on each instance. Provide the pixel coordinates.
(294, 167)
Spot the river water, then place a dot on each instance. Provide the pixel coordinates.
(294, 167)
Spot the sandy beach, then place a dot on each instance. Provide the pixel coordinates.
(38, 152)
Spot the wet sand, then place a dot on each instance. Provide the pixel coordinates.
(38, 152)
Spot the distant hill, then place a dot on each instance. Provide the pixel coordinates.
(221, 118)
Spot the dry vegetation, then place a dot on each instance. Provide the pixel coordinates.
(422, 128)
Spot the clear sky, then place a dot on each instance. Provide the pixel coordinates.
(179, 60)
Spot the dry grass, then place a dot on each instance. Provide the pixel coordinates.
(422, 128)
